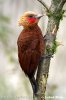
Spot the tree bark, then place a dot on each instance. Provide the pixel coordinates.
(55, 14)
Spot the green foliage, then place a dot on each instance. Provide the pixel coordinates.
(60, 15)
(57, 16)
(56, 2)
(53, 49)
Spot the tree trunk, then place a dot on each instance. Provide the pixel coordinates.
(54, 14)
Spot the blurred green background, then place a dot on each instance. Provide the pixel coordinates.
(14, 85)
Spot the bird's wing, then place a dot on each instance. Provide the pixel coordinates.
(27, 43)
(28, 55)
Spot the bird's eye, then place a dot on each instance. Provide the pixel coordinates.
(30, 16)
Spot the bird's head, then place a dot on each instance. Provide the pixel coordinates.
(29, 19)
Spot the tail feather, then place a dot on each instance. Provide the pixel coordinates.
(34, 84)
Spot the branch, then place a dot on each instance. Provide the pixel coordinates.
(61, 4)
(44, 4)
(51, 32)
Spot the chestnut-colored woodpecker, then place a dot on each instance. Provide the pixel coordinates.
(31, 45)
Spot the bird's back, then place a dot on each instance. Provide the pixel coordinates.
(30, 48)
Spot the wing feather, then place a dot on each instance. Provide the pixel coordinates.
(28, 54)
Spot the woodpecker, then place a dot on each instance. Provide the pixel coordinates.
(31, 45)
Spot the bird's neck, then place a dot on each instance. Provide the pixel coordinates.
(32, 27)
(32, 30)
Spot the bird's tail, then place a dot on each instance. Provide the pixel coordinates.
(34, 84)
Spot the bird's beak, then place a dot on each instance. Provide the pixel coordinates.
(39, 16)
